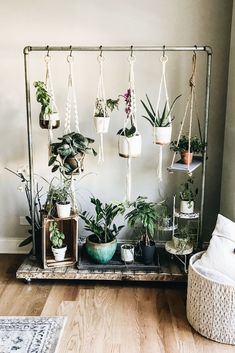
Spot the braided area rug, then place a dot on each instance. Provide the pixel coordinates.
(30, 334)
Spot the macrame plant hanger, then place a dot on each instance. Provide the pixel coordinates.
(163, 60)
(189, 106)
(102, 99)
(50, 90)
(72, 104)
(131, 116)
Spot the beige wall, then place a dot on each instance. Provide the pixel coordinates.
(228, 176)
(150, 22)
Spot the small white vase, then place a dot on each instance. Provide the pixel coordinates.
(162, 135)
(127, 253)
(59, 254)
(186, 206)
(129, 146)
(101, 124)
(63, 211)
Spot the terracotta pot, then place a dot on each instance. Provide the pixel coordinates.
(187, 157)
(101, 124)
(46, 119)
(162, 135)
(129, 146)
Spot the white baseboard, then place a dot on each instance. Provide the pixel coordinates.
(11, 246)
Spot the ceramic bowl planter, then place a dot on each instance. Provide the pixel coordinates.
(129, 146)
(101, 253)
(186, 157)
(162, 135)
(75, 163)
(59, 253)
(148, 252)
(63, 210)
(186, 206)
(101, 124)
(127, 253)
(47, 121)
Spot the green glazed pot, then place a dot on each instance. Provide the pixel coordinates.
(101, 253)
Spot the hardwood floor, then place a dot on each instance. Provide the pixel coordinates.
(107, 317)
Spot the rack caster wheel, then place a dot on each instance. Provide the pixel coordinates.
(27, 280)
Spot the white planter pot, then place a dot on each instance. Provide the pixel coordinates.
(101, 124)
(129, 146)
(162, 135)
(127, 253)
(59, 254)
(63, 211)
(186, 206)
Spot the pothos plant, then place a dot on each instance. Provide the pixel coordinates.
(187, 191)
(43, 97)
(101, 225)
(102, 109)
(131, 130)
(56, 236)
(69, 146)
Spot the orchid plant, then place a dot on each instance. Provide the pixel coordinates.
(131, 131)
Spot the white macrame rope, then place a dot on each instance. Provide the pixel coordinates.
(50, 90)
(102, 99)
(71, 98)
(163, 84)
(128, 180)
(132, 60)
(190, 102)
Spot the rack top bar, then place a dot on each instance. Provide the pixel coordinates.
(205, 48)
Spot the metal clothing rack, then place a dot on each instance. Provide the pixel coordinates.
(29, 49)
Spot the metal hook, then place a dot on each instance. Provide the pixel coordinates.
(47, 48)
(194, 52)
(163, 51)
(131, 50)
(101, 52)
(71, 50)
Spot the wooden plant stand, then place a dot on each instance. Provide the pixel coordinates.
(164, 269)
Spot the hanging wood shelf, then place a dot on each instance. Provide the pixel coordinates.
(181, 167)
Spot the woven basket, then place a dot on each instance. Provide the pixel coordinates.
(210, 306)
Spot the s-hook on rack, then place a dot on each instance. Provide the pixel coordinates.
(27, 50)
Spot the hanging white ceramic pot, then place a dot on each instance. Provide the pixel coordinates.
(59, 253)
(127, 253)
(129, 146)
(63, 210)
(186, 206)
(101, 124)
(162, 135)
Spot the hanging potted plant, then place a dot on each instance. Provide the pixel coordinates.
(68, 154)
(182, 238)
(129, 142)
(102, 113)
(144, 215)
(161, 123)
(197, 146)
(101, 244)
(48, 117)
(187, 196)
(58, 198)
(57, 240)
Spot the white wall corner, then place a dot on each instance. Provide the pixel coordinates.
(11, 246)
